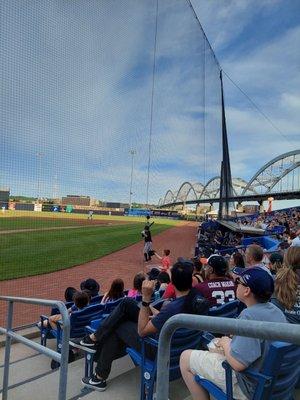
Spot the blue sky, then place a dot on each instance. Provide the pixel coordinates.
(257, 44)
(76, 93)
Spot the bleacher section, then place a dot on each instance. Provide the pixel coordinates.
(31, 379)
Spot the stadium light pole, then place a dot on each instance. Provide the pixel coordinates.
(39, 157)
(132, 152)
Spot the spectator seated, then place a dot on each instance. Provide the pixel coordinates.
(94, 300)
(78, 320)
(217, 288)
(49, 325)
(115, 292)
(276, 380)
(182, 339)
(137, 285)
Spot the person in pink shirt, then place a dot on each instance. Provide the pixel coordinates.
(165, 260)
(137, 285)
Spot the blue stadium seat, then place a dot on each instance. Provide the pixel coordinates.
(276, 380)
(78, 320)
(96, 299)
(108, 308)
(183, 339)
(92, 327)
(110, 305)
(227, 310)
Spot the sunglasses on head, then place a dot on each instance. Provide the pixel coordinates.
(238, 281)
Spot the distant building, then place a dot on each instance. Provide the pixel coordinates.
(110, 204)
(75, 200)
(4, 197)
(251, 208)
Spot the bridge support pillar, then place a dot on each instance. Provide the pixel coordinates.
(239, 207)
(261, 206)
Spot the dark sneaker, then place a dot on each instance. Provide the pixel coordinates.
(94, 383)
(87, 341)
(85, 344)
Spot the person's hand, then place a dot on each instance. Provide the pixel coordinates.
(223, 342)
(147, 290)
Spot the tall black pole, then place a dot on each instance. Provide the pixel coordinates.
(225, 182)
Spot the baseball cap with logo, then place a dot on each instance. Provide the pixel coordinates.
(258, 280)
(217, 262)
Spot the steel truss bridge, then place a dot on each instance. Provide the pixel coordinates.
(279, 178)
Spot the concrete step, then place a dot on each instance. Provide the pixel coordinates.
(127, 386)
(30, 375)
(31, 378)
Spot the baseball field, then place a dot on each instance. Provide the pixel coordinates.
(34, 243)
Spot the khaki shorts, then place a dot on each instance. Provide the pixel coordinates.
(209, 366)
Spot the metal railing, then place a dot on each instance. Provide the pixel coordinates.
(263, 330)
(62, 357)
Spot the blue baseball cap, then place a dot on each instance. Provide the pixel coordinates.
(237, 270)
(258, 280)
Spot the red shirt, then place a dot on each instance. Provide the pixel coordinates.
(217, 291)
(165, 262)
(169, 292)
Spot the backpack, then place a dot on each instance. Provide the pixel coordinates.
(195, 303)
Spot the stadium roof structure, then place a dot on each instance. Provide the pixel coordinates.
(245, 229)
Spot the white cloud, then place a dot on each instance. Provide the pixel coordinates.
(224, 21)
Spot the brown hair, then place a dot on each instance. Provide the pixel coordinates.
(238, 259)
(138, 281)
(275, 267)
(286, 282)
(81, 299)
(167, 252)
(116, 290)
(256, 252)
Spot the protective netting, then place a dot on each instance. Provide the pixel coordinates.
(97, 95)
(84, 83)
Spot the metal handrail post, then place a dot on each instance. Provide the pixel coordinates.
(255, 329)
(7, 350)
(62, 358)
(63, 373)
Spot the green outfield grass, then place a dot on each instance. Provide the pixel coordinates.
(33, 253)
(15, 223)
(29, 219)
